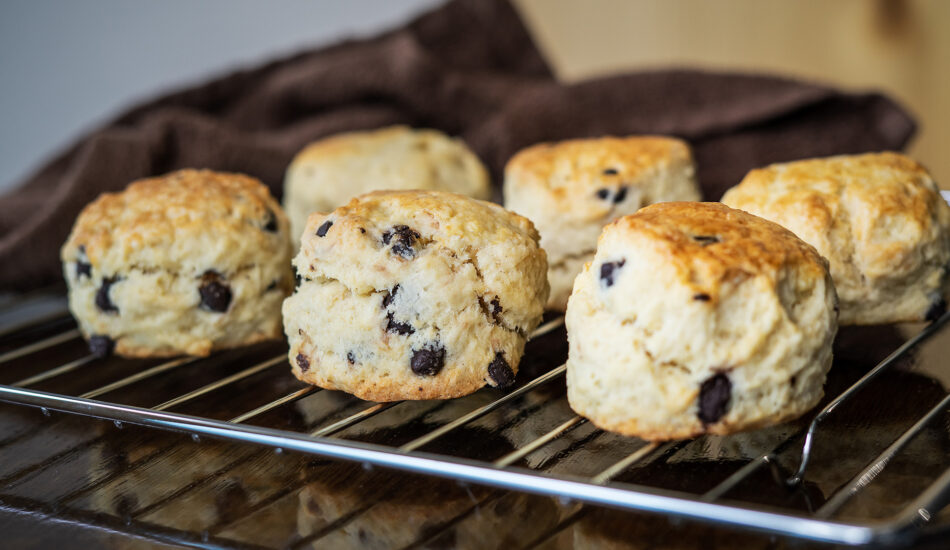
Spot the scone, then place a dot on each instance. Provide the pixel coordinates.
(328, 173)
(414, 295)
(878, 218)
(571, 189)
(696, 318)
(180, 264)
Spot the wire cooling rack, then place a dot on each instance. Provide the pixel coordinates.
(40, 345)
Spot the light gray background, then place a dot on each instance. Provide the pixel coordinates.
(67, 65)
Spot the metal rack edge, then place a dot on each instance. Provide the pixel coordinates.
(632, 498)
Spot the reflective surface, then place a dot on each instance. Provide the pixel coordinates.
(66, 478)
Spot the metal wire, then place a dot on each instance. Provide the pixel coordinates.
(483, 410)
(39, 346)
(220, 383)
(857, 386)
(869, 473)
(62, 369)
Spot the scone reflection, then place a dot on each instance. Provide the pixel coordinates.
(354, 508)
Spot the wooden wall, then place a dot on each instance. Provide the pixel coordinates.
(901, 47)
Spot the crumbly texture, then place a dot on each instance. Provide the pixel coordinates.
(414, 295)
(180, 264)
(878, 218)
(571, 189)
(696, 318)
(328, 173)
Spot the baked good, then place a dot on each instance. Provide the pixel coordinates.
(328, 173)
(571, 189)
(179, 264)
(696, 318)
(878, 218)
(414, 295)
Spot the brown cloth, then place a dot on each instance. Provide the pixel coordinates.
(468, 68)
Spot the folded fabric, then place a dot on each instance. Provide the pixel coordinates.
(468, 68)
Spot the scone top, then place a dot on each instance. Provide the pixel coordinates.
(583, 179)
(384, 236)
(705, 249)
(183, 222)
(328, 173)
(878, 218)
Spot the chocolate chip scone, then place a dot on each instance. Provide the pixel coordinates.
(878, 218)
(184, 263)
(328, 173)
(414, 295)
(696, 318)
(571, 189)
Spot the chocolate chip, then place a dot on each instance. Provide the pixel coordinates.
(362, 230)
(303, 362)
(101, 346)
(621, 194)
(271, 286)
(388, 297)
(322, 230)
(496, 309)
(103, 301)
(607, 270)
(706, 240)
(82, 268)
(270, 222)
(714, 395)
(500, 371)
(938, 306)
(602, 194)
(215, 294)
(702, 297)
(402, 238)
(611, 172)
(350, 358)
(398, 327)
(297, 279)
(429, 360)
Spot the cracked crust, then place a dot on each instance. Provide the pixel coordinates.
(135, 263)
(401, 284)
(571, 189)
(328, 173)
(878, 218)
(696, 318)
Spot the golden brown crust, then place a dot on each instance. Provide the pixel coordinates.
(328, 173)
(155, 212)
(628, 157)
(877, 217)
(571, 189)
(746, 245)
